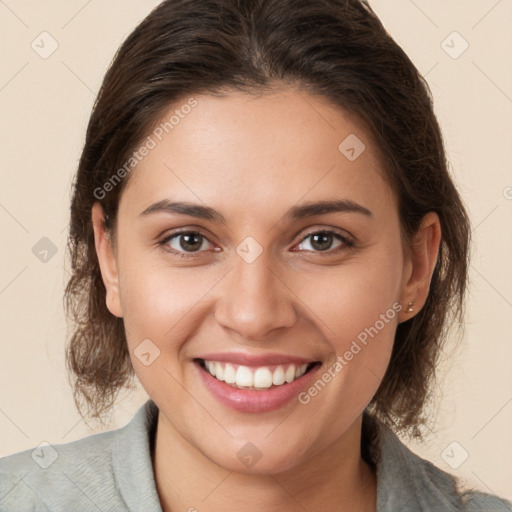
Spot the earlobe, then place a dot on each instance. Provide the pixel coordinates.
(107, 260)
(423, 254)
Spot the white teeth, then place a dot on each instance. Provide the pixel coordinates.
(211, 367)
(289, 376)
(278, 377)
(300, 370)
(219, 371)
(261, 378)
(244, 377)
(229, 374)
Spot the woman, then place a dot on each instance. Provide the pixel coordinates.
(264, 233)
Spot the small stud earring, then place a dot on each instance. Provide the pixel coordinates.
(410, 309)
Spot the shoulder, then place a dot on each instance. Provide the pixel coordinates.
(51, 476)
(406, 481)
(106, 471)
(480, 502)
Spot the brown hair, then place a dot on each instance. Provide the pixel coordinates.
(337, 49)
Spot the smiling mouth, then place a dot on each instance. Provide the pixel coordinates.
(255, 378)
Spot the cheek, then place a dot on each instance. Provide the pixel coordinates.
(353, 296)
(162, 303)
(357, 308)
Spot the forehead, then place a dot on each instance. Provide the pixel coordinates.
(258, 152)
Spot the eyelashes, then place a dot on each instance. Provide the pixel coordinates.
(197, 240)
(331, 235)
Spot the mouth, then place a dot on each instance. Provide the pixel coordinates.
(257, 378)
(255, 389)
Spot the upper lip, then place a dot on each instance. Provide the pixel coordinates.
(245, 359)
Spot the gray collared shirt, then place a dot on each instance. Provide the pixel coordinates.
(112, 472)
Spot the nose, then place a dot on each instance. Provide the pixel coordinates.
(255, 300)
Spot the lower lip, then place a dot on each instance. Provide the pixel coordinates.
(248, 400)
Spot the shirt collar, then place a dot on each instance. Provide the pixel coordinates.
(405, 482)
(131, 458)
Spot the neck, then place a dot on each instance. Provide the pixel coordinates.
(336, 479)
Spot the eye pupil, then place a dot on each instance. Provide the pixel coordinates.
(190, 241)
(321, 241)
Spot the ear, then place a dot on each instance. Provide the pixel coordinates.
(107, 260)
(420, 262)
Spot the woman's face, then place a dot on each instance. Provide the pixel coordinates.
(259, 272)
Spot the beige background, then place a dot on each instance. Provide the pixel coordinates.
(45, 106)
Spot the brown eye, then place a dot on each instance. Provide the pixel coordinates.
(322, 241)
(190, 241)
(185, 242)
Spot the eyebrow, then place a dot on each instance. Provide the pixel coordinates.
(295, 213)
